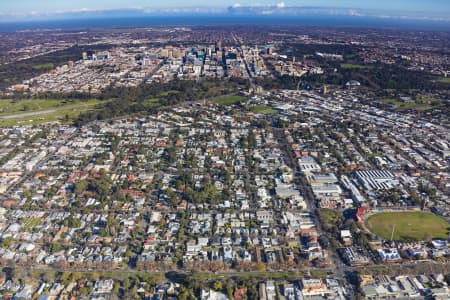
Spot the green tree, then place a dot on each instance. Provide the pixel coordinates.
(7, 242)
(80, 186)
(217, 285)
(126, 284)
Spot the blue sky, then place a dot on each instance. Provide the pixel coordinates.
(425, 8)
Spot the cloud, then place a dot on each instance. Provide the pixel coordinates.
(259, 8)
(255, 9)
(257, 4)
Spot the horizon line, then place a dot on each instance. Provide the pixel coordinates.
(230, 11)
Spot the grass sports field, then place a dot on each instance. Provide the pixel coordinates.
(262, 109)
(409, 226)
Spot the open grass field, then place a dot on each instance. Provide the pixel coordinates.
(409, 226)
(444, 80)
(229, 100)
(8, 107)
(355, 66)
(38, 111)
(398, 103)
(43, 66)
(152, 102)
(262, 109)
(167, 93)
(419, 105)
(428, 100)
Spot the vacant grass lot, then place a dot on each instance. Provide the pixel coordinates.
(409, 226)
(229, 100)
(329, 216)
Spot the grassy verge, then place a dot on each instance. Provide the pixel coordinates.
(261, 276)
(94, 274)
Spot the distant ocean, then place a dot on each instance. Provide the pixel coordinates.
(307, 20)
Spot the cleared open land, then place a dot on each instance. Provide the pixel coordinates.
(38, 111)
